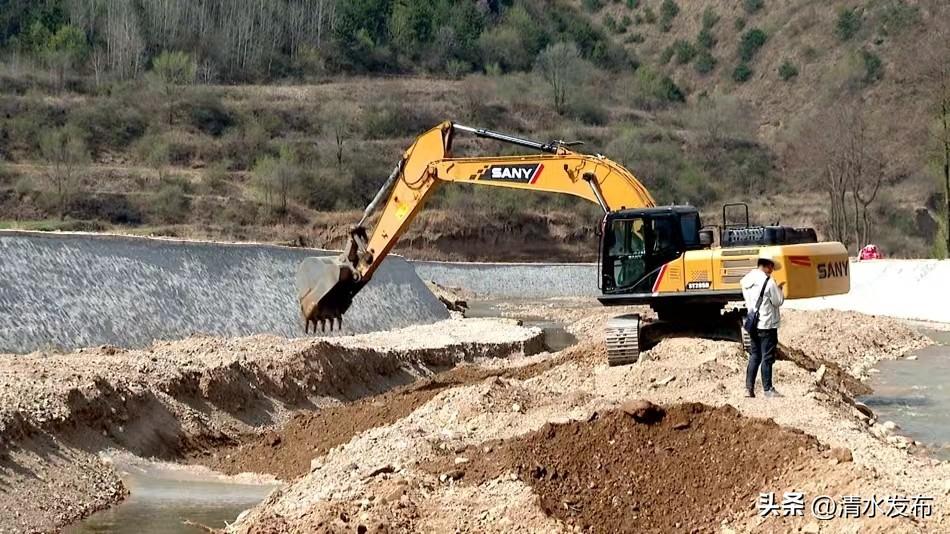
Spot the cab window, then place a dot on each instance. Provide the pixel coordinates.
(625, 256)
(664, 233)
(689, 223)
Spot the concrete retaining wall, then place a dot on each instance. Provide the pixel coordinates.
(514, 280)
(67, 290)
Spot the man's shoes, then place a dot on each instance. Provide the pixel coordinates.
(772, 394)
(749, 394)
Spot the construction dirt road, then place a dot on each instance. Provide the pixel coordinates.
(470, 425)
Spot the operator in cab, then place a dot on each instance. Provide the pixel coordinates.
(762, 293)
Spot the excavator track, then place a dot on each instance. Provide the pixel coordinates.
(623, 340)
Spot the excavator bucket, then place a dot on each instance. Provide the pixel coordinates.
(325, 290)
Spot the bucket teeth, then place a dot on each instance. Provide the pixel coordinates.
(334, 323)
(325, 290)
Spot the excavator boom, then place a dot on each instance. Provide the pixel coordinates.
(326, 286)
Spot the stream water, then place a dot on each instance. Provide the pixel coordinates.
(171, 499)
(915, 394)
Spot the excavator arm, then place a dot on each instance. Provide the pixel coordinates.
(326, 286)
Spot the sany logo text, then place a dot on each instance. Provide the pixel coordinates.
(523, 173)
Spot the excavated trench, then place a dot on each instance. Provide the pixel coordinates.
(173, 399)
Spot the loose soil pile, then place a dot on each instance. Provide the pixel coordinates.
(696, 466)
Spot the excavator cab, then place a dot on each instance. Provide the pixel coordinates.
(636, 244)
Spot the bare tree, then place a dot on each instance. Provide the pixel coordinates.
(865, 173)
(938, 69)
(277, 179)
(943, 139)
(817, 158)
(561, 66)
(124, 41)
(66, 153)
(837, 153)
(929, 69)
(339, 121)
(722, 117)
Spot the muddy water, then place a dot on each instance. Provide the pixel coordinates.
(556, 338)
(169, 499)
(915, 394)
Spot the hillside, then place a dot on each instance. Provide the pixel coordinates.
(801, 108)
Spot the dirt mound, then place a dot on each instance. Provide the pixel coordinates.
(287, 452)
(835, 336)
(696, 466)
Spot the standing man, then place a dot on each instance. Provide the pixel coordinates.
(758, 284)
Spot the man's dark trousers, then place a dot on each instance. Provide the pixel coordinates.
(762, 352)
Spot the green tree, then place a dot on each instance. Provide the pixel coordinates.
(742, 72)
(710, 18)
(847, 24)
(684, 51)
(65, 151)
(593, 6)
(515, 42)
(752, 6)
(750, 43)
(668, 11)
(706, 39)
(787, 70)
(410, 25)
(657, 85)
(359, 28)
(705, 62)
(873, 67)
(171, 71)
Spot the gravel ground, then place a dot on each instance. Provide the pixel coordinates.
(378, 480)
(57, 411)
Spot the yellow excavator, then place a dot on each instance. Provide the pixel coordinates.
(661, 256)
